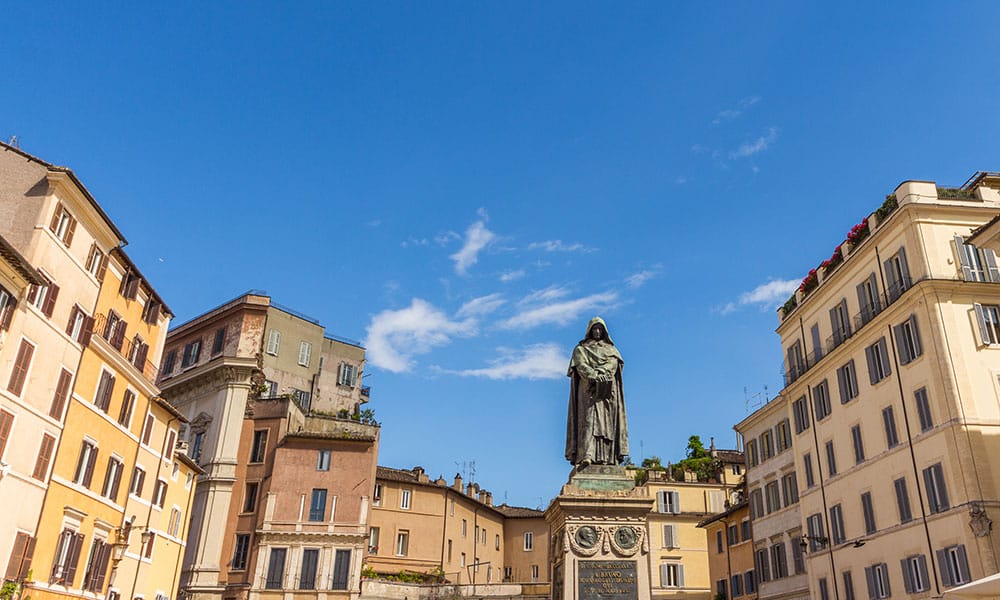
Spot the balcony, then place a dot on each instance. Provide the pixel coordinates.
(366, 393)
(134, 351)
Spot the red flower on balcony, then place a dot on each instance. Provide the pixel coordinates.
(858, 232)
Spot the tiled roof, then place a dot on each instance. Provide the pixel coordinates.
(723, 514)
(730, 456)
(20, 264)
(391, 474)
(518, 512)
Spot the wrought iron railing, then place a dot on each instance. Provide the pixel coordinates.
(117, 339)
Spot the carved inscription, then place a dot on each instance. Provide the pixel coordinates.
(607, 580)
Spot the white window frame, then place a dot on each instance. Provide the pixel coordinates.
(673, 572)
(323, 459)
(305, 353)
(988, 318)
(529, 541)
(402, 542)
(377, 495)
(404, 499)
(273, 342)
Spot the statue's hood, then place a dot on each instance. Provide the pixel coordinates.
(590, 325)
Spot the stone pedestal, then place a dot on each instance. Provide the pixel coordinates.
(599, 547)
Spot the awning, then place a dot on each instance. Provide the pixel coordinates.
(987, 587)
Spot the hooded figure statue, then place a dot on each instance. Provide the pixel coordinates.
(596, 431)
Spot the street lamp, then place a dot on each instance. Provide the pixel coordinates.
(815, 539)
(118, 549)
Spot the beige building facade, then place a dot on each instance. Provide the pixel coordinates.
(892, 390)
(731, 552)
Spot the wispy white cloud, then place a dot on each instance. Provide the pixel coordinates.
(765, 295)
(561, 312)
(756, 146)
(637, 280)
(559, 246)
(538, 361)
(477, 237)
(443, 239)
(396, 336)
(680, 180)
(553, 292)
(483, 305)
(508, 276)
(414, 242)
(374, 223)
(734, 113)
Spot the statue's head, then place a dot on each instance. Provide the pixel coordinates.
(597, 332)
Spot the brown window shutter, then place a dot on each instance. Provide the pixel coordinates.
(119, 336)
(44, 456)
(20, 370)
(140, 357)
(101, 567)
(54, 224)
(8, 313)
(70, 230)
(72, 559)
(32, 293)
(6, 421)
(88, 330)
(29, 553)
(90, 256)
(61, 395)
(16, 556)
(58, 571)
(50, 299)
(88, 475)
(101, 270)
(72, 318)
(132, 287)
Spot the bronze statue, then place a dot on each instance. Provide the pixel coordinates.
(596, 431)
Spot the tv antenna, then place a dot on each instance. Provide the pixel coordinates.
(13, 141)
(756, 400)
(468, 470)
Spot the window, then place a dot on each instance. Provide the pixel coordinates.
(67, 557)
(529, 541)
(404, 499)
(129, 287)
(720, 588)
(273, 341)
(147, 550)
(837, 524)
(6, 423)
(250, 496)
(737, 469)
(889, 421)
(779, 562)
(97, 262)
(276, 569)
(465, 527)
(814, 526)
(988, 318)
(915, 574)
(219, 341)
(807, 466)
(20, 557)
(147, 429)
(859, 445)
(498, 541)
(847, 381)
(848, 585)
(908, 340)
(159, 492)
(797, 560)
(22, 363)
(753, 458)
(106, 385)
(670, 537)
(736, 585)
(902, 500)
(817, 345)
(772, 497)
(174, 527)
(114, 330)
(824, 589)
(7, 305)
(461, 559)
(954, 565)
(77, 325)
(756, 504)
(192, 350)
(750, 582)
(745, 530)
(259, 446)
(305, 353)
(138, 479)
(63, 225)
(195, 450)
(789, 489)
(763, 565)
(317, 507)
(302, 397)
(877, 356)
(151, 311)
(923, 409)
(831, 459)
(341, 569)
(766, 445)
(85, 464)
(801, 412)
(668, 502)
(323, 460)
(138, 353)
(897, 275)
(733, 535)
(796, 364)
(373, 535)
(782, 436)
(534, 572)
(128, 404)
(403, 543)
(671, 575)
(307, 575)
(348, 375)
(840, 321)
(377, 497)
(43, 297)
(868, 510)
(821, 400)
(977, 264)
(61, 395)
(877, 577)
(241, 551)
(868, 298)
(937, 492)
(112, 479)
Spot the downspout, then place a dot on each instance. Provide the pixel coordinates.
(149, 512)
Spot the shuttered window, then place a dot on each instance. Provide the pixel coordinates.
(877, 578)
(66, 558)
(22, 363)
(821, 400)
(341, 569)
(273, 341)
(840, 322)
(20, 557)
(868, 298)
(897, 275)
(63, 225)
(276, 569)
(915, 577)
(848, 585)
(902, 500)
(307, 576)
(937, 491)
(837, 524)
(112, 479)
(671, 575)
(831, 459)
(6, 424)
(44, 457)
(908, 340)
(953, 563)
(976, 264)
(241, 551)
(670, 538)
(807, 466)
(97, 566)
(847, 382)
(85, 464)
(305, 353)
(668, 502)
(868, 511)
(877, 356)
(859, 445)
(102, 398)
(988, 319)
(889, 424)
(923, 409)
(801, 413)
(61, 394)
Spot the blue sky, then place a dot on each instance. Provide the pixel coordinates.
(463, 185)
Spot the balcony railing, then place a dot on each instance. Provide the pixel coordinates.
(798, 368)
(135, 354)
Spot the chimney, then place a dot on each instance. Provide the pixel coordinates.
(489, 498)
(711, 448)
(421, 475)
(458, 482)
(471, 489)
(440, 481)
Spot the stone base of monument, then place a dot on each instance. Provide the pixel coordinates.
(599, 546)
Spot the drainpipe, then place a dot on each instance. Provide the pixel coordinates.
(149, 512)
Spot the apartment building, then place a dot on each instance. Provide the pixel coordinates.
(275, 420)
(731, 552)
(892, 353)
(773, 502)
(678, 554)
(424, 526)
